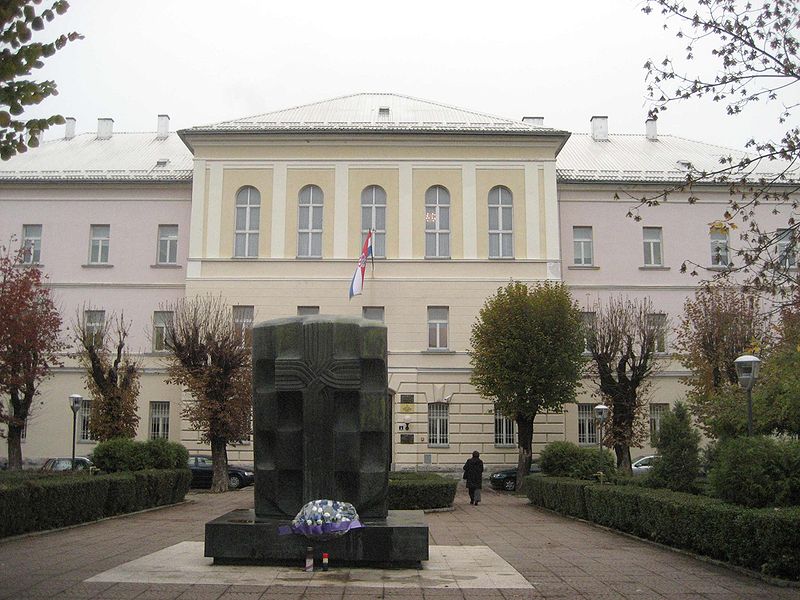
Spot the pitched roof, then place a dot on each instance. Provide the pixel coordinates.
(85, 158)
(634, 158)
(378, 113)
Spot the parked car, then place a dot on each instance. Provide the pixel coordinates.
(203, 471)
(65, 464)
(507, 478)
(643, 464)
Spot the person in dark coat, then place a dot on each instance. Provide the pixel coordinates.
(473, 473)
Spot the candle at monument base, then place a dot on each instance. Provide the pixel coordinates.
(324, 561)
(309, 558)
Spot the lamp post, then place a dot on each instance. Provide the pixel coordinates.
(601, 412)
(75, 401)
(747, 373)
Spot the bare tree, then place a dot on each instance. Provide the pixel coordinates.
(112, 376)
(210, 359)
(625, 338)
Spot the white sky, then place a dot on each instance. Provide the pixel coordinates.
(203, 61)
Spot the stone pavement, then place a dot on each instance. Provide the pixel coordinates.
(561, 558)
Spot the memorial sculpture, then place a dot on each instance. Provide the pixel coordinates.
(321, 429)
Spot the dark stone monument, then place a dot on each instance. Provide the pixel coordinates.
(321, 428)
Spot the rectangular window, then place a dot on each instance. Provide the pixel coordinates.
(653, 256)
(95, 321)
(406, 398)
(304, 311)
(587, 319)
(32, 242)
(438, 424)
(98, 244)
(161, 319)
(437, 326)
(582, 246)
(373, 313)
(167, 244)
(659, 323)
(503, 431)
(656, 412)
(84, 414)
(159, 420)
(719, 248)
(587, 425)
(406, 438)
(786, 249)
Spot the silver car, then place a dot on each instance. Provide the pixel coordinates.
(643, 464)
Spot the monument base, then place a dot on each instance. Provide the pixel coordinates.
(239, 537)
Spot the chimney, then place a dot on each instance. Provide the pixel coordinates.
(535, 121)
(163, 127)
(650, 130)
(105, 127)
(599, 128)
(69, 128)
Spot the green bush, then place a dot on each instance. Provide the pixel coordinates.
(557, 493)
(678, 446)
(414, 491)
(757, 472)
(566, 459)
(124, 454)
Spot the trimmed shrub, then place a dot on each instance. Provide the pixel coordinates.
(163, 454)
(678, 446)
(414, 491)
(566, 459)
(757, 472)
(124, 454)
(557, 493)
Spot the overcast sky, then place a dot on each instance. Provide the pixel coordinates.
(203, 61)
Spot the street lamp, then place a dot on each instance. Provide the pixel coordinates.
(747, 373)
(75, 401)
(601, 412)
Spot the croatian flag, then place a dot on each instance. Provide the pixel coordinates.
(357, 284)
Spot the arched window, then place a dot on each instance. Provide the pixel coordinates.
(248, 214)
(437, 222)
(501, 223)
(309, 218)
(373, 216)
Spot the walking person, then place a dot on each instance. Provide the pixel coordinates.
(473, 473)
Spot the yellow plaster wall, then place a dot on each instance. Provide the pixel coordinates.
(233, 180)
(514, 180)
(389, 180)
(297, 179)
(450, 179)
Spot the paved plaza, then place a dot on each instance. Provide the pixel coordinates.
(530, 554)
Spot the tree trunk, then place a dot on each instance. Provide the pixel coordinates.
(219, 456)
(14, 448)
(525, 445)
(623, 458)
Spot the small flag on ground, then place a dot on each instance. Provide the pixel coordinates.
(357, 284)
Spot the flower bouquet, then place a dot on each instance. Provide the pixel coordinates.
(324, 520)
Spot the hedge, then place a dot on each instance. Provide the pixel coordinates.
(764, 540)
(414, 491)
(37, 504)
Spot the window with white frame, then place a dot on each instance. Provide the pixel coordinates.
(32, 242)
(438, 424)
(159, 420)
(658, 323)
(305, 311)
(437, 222)
(99, 239)
(248, 219)
(587, 424)
(373, 217)
(167, 244)
(373, 313)
(84, 415)
(653, 256)
(501, 223)
(438, 317)
(161, 320)
(94, 322)
(657, 411)
(309, 222)
(583, 251)
(243, 317)
(719, 248)
(786, 248)
(503, 430)
(587, 322)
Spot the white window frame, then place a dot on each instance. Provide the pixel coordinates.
(587, 425)
(437, 210)
(95, 321)
(438, 327)
(159, 420)
(99, 244)
(373, 217)
(310, 201)
(583, 245)
(720, 249)
(505, 430)
(243, 317)
(501, 211)
(661, 341)
(167, 251)
(653, 242)
(161, 318)
(786, 249)
(32, 242)
(439, 424)
(587, 320)
(84, 417)
(657, 412)
(246, 228)
(307, 311)
(373, 313)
